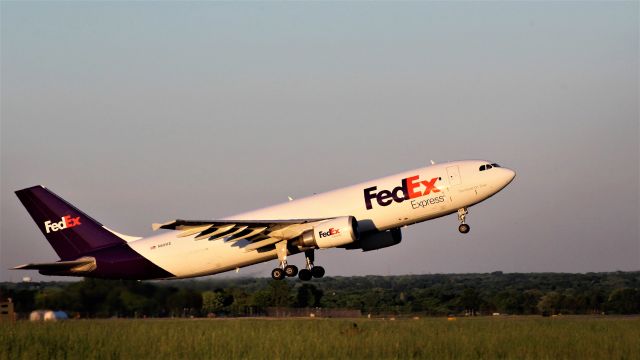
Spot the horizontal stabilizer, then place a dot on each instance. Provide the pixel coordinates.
(81, 265)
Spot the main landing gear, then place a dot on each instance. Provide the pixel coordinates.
(279, 273)
(310, 270)
(462, 214)
(285, 270)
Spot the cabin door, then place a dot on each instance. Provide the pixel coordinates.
(453, 172)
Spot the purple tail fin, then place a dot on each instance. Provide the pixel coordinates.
(70, 232)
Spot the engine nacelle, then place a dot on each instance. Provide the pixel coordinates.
(331, 233)
(377, 240)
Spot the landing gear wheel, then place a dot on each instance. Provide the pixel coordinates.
(277, 274)
(290, 270)
(464, 228)
(317, 272)
(305, 275)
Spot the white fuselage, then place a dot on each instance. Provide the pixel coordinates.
(435, 190)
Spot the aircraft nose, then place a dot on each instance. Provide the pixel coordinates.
(508, 176)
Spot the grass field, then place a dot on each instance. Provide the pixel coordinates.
(436, 338)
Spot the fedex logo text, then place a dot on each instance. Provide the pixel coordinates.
(331, 232)
(65, 222)
(409, 189)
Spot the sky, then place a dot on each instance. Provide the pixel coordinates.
(145, 112)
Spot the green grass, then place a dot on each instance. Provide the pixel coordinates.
(436, 338)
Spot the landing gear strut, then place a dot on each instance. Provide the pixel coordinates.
(283, 268)
(462, 214)
(310, 270)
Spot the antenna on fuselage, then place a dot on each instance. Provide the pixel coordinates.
(433, 162)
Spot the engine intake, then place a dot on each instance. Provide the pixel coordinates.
(331, 233)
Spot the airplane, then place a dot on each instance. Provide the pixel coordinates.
(366, 216)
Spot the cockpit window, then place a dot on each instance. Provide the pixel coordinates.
(488, 166)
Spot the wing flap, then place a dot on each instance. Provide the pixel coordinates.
(214, 231)
(194, 230)
(227, 234)
(252, 232)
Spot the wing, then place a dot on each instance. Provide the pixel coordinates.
(259, 233)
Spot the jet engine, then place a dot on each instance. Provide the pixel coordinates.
(331, 233)
(377, 240)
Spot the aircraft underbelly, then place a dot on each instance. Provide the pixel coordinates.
(186, 257)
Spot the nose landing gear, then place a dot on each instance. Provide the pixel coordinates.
(462, 214)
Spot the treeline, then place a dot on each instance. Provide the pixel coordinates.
(434, 295)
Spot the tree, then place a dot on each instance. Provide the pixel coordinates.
(134, 304)
(550, 303)
(530, 300)
(52, 298)
(241, 302)
(508, 302)
(595, 299)
(261, 299)
(184, 302)
(280, 292)
(470, 300)
(308, 296)
(276, 293)
(624, 301)
(212, 302)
